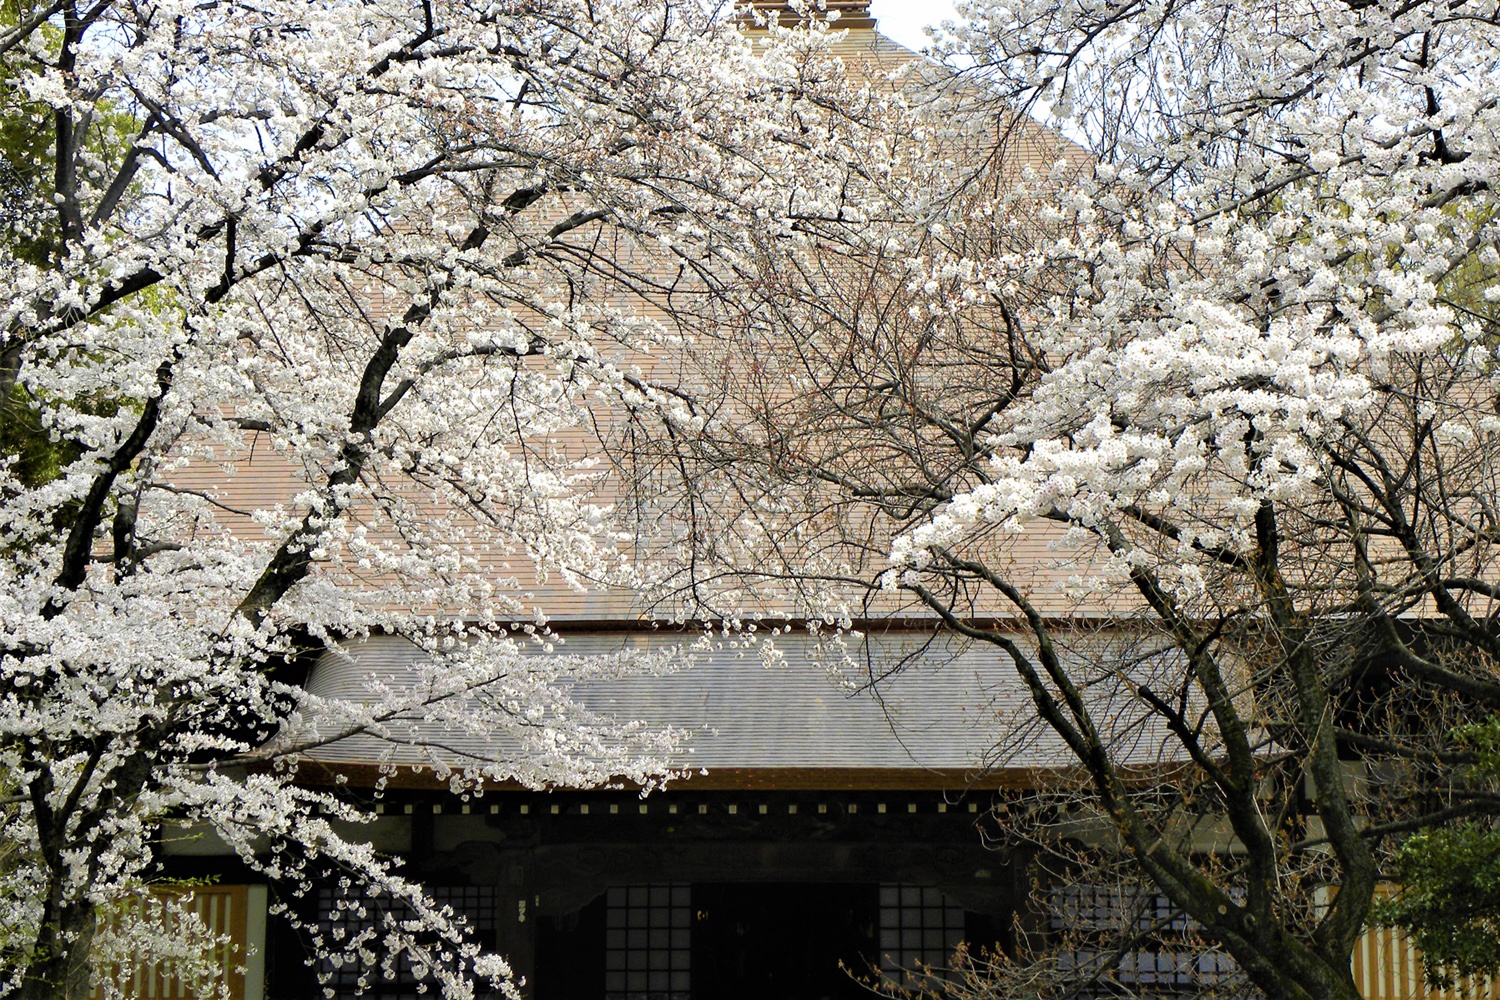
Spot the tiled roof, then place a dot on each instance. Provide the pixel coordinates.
(946, 708)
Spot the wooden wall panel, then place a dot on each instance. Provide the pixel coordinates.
(224, 910)
(1388, 967)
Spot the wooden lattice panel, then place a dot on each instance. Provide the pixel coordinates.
(224, 910)
(1388, 967)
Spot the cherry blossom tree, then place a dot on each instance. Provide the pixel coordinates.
(398, 251)
(1198, 431)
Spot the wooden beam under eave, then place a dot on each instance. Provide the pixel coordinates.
(761, 779)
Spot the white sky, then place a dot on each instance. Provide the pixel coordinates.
(903, 20)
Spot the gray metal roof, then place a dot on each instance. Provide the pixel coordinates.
(946, 708)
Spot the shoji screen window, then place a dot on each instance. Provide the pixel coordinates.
(648, 942)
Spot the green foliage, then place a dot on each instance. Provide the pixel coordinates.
(1483, 738)
(1449, 904)
(36, 458)
(29, 230)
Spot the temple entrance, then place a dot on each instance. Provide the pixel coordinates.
(745, 941)
(794, 941)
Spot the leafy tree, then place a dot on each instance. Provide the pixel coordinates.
(1449, 897)
(26, 218)
(28, 227)
(399, 247)
(27, 231)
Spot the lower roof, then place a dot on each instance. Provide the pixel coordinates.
(943, 714)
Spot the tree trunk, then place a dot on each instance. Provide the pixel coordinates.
(1309, 978)
(59, 968)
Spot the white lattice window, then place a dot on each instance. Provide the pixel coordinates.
(919, 928)
(1166, 961)
(648, 942)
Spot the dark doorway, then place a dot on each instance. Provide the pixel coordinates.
(783, 940)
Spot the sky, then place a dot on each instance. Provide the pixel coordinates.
(903, 20)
